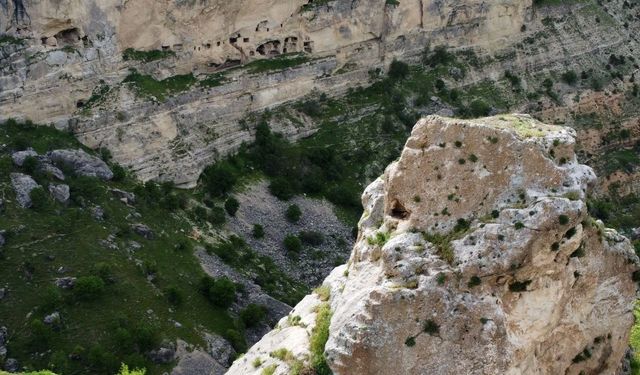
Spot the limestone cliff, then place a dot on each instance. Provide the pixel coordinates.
(475, 254)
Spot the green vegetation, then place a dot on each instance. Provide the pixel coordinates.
(319, 337)
(145, 56)
(293, 213)
(258, 231)
(231, 205)
(147, 86)
(253, 315)
(276, 63)
(259, 268)
(8, 39)
(104, 319)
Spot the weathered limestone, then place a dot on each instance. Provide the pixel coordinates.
(475, 255)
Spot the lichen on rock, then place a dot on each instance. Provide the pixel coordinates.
(475, 254)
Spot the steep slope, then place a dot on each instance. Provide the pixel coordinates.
(475, 254)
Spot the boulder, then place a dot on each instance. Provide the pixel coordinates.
(81, 163)
(98, 213)
(65, 282)
(125, 196)
(53, 318)
(45, 167)
(475, 254)
(11, 365)
(19, 157)
(143, 231)
(60, 193)
(22, 185)
(220, 349)
(164, 354)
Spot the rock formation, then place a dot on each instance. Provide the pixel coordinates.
(69, 67)
(475, 254)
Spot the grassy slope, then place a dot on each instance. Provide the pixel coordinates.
(71, 236)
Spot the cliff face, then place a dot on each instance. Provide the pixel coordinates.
(475, 254)
(74, 49)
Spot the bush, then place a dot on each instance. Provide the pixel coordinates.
(311, 238)
(253, 314)
(30, 164)
(293, 213)
(88, 288)
(221, 292)
(236, 340)
(39, 199)
(174, 296)
(85, 187)
(292, 243)
(258, 231)
(119, 173)
(282, 188)
(219, 178)
(570, 77)
(398, 70)
(231, 205)
(479, 108)
(217, 217)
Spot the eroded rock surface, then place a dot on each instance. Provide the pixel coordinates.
(476, 255)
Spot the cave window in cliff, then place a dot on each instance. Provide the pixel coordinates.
(207, 46)
(251, 53)
(246, 40)
(218, 44)
(68, 36)
(308, 46)
(398, 210)
(44, 40)
(80, 104)
(166, 48)
(177, 47)
(233, 40)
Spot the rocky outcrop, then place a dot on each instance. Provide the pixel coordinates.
(80, 163)
(23, 185)
(475, 254)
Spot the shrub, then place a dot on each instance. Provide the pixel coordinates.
(217, 217)
(258, 231)
(563, 219)
(85, 187)
(231, 205)
(293, 213)
(221, 292)
(282, 188)
(236, 340)
(183, 244)
(318, 340)
(30, 164)
(119, 173)
(253, 314)
(219, 178)
(124, 370)
(39, 199)
(88, 288)
(311, 238)
(174, 296)
(398, 70)
(474, 281)
(479, 108)
(292, 243)
(430, 327)
(570, 77)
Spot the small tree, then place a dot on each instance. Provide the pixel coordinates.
(398, 70)
(88, 288)
(39, 199)
(231, 205)
(293, 213)
(292, 243)
(258, 231)
(253, 314)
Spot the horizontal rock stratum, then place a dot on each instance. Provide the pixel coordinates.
(475, 255)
